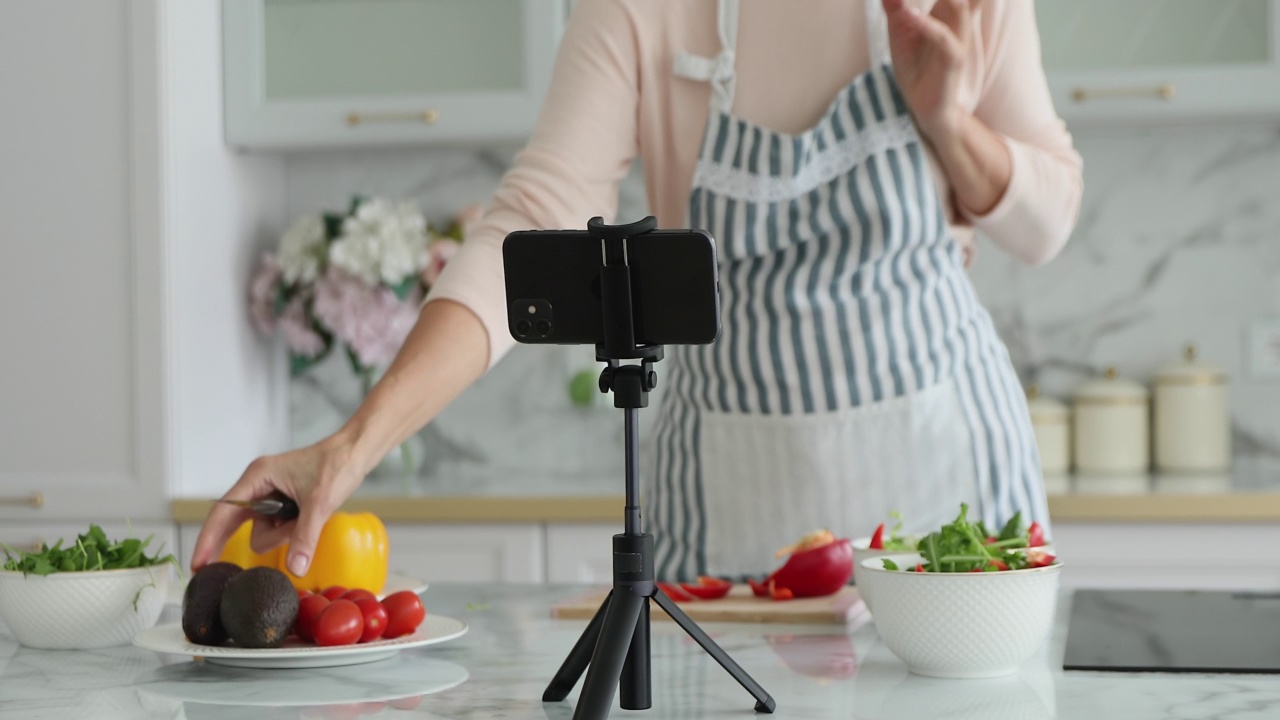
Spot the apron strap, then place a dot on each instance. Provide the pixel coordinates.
(877, 34)
(719, 71)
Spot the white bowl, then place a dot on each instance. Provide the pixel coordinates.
(82, 610)
(960, 625)
(862, 551)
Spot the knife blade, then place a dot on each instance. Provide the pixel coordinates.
(280, 507)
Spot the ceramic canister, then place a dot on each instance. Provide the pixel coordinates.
(1192, 417)
(1051, 421)
(1111, 426)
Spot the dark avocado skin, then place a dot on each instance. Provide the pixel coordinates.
(259, 607)
(202, 603)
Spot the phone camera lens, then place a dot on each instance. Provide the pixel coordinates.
(523, 327)
(543, 327)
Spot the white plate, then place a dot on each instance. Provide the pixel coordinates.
(395, 583)
(170, 640)
(413, 675)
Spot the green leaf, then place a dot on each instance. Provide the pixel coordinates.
(357, 367)
(332, 227)
(356, 202)
(931, 552)
(1015, 528)
(890, 565)
(405, 287)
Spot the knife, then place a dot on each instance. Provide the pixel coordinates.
(277, 506)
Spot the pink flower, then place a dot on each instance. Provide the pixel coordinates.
(301, 338)
(262, 294)
(438, 255)
(370, 320)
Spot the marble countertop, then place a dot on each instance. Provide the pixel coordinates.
(500, 668)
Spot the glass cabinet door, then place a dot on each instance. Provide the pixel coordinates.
(1137, 34)
(306, 73)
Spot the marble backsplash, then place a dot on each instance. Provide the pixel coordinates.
(1178, 242)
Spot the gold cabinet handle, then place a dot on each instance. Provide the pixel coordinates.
(427, 117)
(1161, 92)
(34, 500)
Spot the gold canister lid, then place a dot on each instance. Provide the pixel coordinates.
(1111, 389)
(1190, 371)
(1045, 410)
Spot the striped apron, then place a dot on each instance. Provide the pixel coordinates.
(856, 374)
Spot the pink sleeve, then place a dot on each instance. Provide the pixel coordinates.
(1038, 211)
(581, 148)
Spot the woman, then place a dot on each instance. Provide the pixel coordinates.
(840, 155)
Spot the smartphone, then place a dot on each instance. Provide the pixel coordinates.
(553, 287)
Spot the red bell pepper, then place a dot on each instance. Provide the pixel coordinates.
(778, 593)
(820, 564)
(758, 589)
(674, 592)
(877, 539)
(707, 588)
(1041, 559)
(1035, 535)
(999, 564)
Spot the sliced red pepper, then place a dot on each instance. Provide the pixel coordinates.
(919, 567)
(759, 589)
(818, 570)
(708, 588)
(781, 593)
(674, 592)
(877, 539)
(1041, 559)
(992, 541)
(999, 564)
(1035, 535)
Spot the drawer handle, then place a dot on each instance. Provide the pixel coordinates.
(1162, 92)
(427, 117)
(34, 500)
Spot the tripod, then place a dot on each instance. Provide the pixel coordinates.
(614, 648)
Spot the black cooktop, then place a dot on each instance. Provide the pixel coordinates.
(1174, 631)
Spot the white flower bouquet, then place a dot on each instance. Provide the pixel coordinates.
(352, 281)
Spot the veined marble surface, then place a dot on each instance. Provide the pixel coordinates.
(500, 668)
(1176, 244)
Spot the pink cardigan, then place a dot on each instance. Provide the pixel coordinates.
(615, 99)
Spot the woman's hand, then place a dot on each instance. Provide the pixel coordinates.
(319, 478)
(929, 52)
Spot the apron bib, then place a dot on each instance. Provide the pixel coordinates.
(856, 374)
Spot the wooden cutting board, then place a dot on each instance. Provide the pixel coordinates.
(740, 605)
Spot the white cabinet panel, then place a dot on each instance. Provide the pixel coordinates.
(468, 553)
(301, 73)
(81, 301)
(1168, 556)
(1161, 60)
(580, 553)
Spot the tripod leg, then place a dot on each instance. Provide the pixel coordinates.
(567, 676)
(764, 702)
(634, 689)
(611, 651)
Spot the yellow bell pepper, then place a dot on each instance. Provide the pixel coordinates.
(237, 550)
(352, 552)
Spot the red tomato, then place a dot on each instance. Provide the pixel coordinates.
(405, 613)
(1035, 535)
(358, 594)
(375, 619)
(303, 593)
(334, 592)
(309, 608)
(341, 623)
(407, 703)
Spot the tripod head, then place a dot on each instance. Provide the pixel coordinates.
(630, 384)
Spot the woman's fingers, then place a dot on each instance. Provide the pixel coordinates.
(224, 519)
(314, 513)
(269, 533)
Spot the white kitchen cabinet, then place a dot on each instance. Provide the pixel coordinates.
(308, 73)
(507, 553)
(1168, 556)
(1161, 60)
(580, 552)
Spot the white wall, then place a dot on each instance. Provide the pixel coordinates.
(230, 399)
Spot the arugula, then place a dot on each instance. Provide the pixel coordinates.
(91, 551)
(895, 541)
(961, 546)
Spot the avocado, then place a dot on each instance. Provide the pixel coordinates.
(202, 604)
(259, 607)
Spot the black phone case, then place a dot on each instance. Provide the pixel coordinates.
(553, 287)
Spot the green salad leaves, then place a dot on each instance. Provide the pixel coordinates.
(964, 546)
(91, 551)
